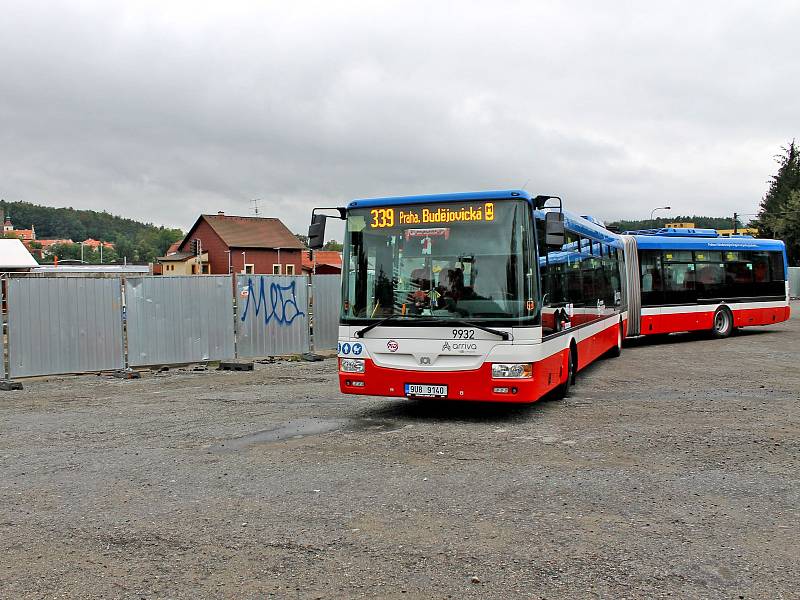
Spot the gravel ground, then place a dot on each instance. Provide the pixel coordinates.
(669, 472)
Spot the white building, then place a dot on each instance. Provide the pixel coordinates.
(14, 256)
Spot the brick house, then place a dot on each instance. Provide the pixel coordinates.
(232, 244)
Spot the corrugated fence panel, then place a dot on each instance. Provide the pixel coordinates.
(794, 282)
(272, 315)
(2, 342)
(179, 319)
(64, 326)
(326, 291)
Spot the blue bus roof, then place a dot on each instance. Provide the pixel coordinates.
(664, 242)
(431, 198)
(583, 226)
(588, 226)
(676, 231)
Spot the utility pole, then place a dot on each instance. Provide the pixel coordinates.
(735, 220)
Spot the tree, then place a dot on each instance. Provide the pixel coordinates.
(303, 239)
(779, 212)
(332, 245)
(786, 226)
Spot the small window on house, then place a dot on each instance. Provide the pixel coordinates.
(249, 269)
(290, 269)
(276, 269)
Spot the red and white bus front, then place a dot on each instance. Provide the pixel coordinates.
(441, 299)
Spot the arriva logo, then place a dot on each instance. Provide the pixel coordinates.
(463, 346)
(458, 347)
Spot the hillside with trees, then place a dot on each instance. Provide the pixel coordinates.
(700, 222)
(133, 240)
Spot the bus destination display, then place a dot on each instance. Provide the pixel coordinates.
(421, 215)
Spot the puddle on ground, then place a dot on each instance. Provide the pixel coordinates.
(296, 429)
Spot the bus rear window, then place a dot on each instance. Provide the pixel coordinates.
(776, 262)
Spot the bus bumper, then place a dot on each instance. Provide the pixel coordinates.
(475, 385)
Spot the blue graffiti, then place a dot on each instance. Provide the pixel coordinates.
(282, 307)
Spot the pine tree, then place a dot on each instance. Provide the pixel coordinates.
(775, 204)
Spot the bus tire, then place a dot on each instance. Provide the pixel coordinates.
(617, 350)
(562, 390)
(723, 323)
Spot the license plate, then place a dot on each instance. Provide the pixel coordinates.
(425, 390)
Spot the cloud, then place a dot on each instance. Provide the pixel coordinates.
(162, 110)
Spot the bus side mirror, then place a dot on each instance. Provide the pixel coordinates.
(554, 229)
(316, 232)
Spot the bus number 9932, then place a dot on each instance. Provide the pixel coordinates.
(463, 334)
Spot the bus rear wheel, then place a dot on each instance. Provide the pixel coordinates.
(723, 323)
(617, 350)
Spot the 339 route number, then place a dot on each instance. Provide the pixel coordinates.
(463, 334)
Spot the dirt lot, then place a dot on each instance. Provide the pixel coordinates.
(671, 471)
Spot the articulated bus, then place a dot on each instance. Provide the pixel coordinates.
(695, 279)
(494, 296)
(487, 296)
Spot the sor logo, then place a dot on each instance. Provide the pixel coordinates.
(392, 346)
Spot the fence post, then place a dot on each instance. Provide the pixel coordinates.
(311, 311)
(124, 321)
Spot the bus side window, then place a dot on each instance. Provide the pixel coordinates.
(652, 277)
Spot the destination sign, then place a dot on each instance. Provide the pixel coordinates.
(424, 215)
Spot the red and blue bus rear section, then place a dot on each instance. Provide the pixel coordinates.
(744, 275)
(425, 362)
(673, 319)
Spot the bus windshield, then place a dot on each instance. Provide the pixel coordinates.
(460, 260)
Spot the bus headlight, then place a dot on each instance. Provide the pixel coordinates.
(351, 365)
(512, 370)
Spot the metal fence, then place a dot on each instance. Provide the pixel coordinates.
(326, 298)
(64, 326)
(179, 319)
(78, 325)
(2, 341)
(794, 282)
(271, 316)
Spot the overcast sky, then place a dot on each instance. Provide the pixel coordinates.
(162, 110)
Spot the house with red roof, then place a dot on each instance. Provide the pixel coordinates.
(235, 244)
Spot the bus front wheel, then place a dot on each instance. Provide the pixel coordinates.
(562, 390)
(723, 323)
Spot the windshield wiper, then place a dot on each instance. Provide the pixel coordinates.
(360, 333)
(502, 334)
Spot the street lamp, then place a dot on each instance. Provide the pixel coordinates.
(659, 208)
